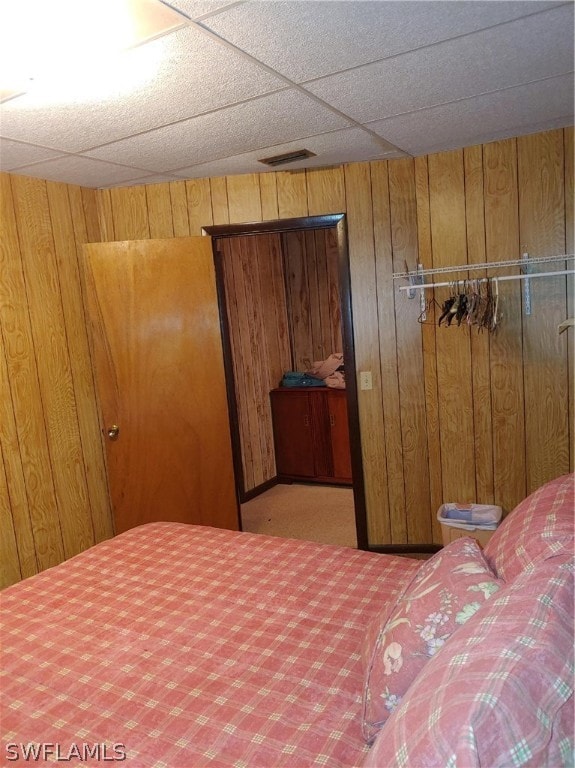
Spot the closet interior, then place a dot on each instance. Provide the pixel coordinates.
(283, 311)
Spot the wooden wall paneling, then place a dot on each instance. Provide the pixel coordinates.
(53, 358)
(179, 204)
(263, 337)
(388, 351)
(568, 145)
(480, 342)
(130, 213)
(88, 213)
(219, 194)
(329, 304)
(428, 341)
(315, 250)
(546, 379)
(257, 315)
(256, 357)
(275, 299)
(232, 287)
(274, 359)
(448, 231)
(333, 288)
(366, 336)
(240, 254)
(70, 234)
(9, 562)
(325, 195)
(82, 230)
(159, 210)
(17, 365)
(243, 374)
(244, 198)
(269, 196)
(410, 356)
(314, 304)
(506, 349)
(105, 217)
(199, 205)
(22, 427)
(292, 194)
(22, 557)
(325, 191)
(294, 247)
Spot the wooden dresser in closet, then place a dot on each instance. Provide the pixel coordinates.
(311, 434)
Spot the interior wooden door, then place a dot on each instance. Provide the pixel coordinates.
(158, 360)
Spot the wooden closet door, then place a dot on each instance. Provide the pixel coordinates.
(339, 427)
(293, 427)
(158, 362)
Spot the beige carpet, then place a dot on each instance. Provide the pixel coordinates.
(321, 513)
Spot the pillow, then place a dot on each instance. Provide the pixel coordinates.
(540, 526)
(501, 692)
(445, 592)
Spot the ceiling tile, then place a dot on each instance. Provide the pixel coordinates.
(154, 178)
(306, 40)
(187, 83)
(9, 93)
(212, 109)
(195, 9)
(346, 146)
(74, 169)
(277, 118)
(529, 49)
(513, 112)
(14, 154)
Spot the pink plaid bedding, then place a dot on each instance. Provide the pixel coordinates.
(175, 645)
(501, 695)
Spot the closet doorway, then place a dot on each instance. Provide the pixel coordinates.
(264, 332)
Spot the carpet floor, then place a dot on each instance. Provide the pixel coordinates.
(323, 513)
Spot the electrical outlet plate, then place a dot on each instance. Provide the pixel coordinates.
(365, 381)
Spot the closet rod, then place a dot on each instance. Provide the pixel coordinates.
(523, 262)
(450, 283)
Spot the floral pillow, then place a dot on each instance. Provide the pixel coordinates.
(446, 591)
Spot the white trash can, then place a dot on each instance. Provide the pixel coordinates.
(476, 520)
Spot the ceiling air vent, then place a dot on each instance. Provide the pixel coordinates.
(289, 157)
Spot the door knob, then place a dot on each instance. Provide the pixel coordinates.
(113, 432)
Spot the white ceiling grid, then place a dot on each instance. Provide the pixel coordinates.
(350, 81)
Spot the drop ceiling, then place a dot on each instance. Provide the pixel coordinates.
(348, 81)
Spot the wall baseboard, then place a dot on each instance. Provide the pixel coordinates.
(259, 489)
(405, 549)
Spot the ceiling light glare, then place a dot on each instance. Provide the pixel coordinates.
(115, 75)
(71, 45)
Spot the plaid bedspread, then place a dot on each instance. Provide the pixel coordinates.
(175, 645)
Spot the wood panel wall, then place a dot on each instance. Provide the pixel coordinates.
(260, 344)
(311, 266)
(53, 489)
(283, 309)
(452, 414)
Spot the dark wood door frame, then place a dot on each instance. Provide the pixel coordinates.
(338, 222)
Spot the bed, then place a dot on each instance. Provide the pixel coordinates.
(174, 645)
